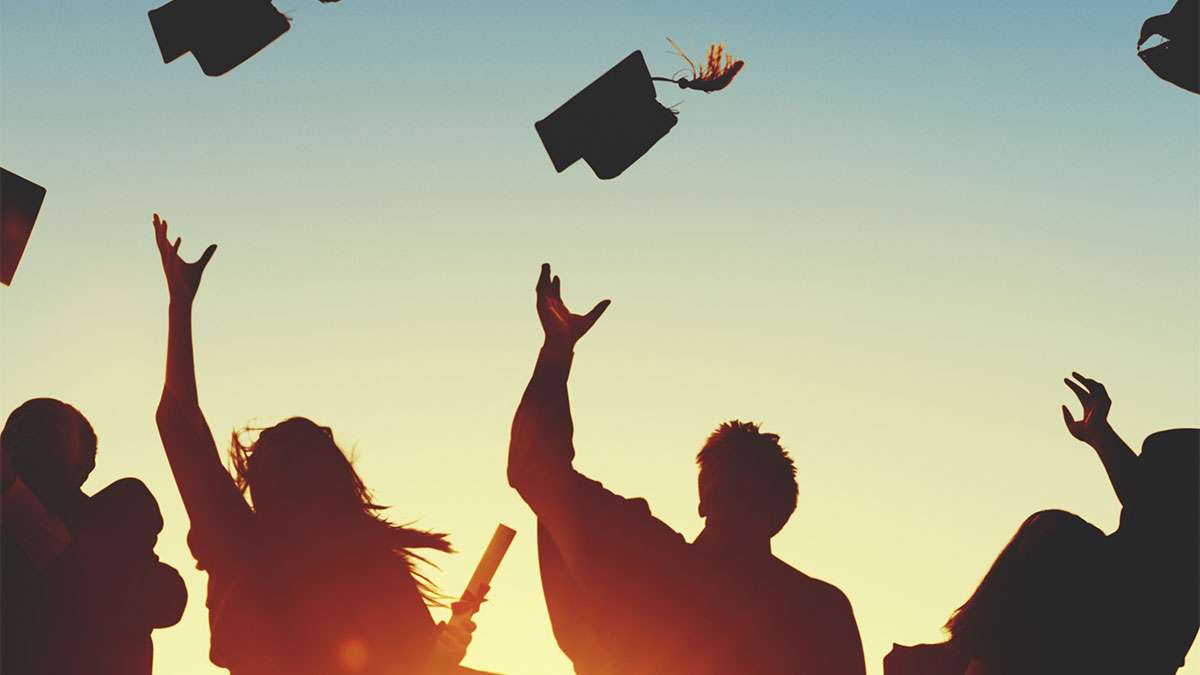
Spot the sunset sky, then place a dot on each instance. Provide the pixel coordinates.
(887, 241)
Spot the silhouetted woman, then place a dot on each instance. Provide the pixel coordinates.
(311, 579)
(1034, 613)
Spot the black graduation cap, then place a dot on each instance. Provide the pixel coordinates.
(20, 201)
(1177, 58)
(610, 124)
(221, 34)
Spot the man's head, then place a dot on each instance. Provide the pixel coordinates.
(52, 448)
(747, 480)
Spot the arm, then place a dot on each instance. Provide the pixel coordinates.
(844, 650)
(38, 532)
(206, 488)
(540, 450)
(1093, 428)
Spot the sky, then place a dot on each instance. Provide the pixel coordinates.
(887, 241)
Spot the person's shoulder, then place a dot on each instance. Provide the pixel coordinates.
(928, 659)
(622, 512)
(129, 500)
(814, 591)
(128, 492)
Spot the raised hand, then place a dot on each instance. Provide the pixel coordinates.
(183, 278)
(1096, 405)
(562, 328)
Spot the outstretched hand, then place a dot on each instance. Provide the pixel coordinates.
(183, 278)
(562, 328)
(1096, 405)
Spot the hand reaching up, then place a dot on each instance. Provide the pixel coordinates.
(1096, 405)
(562, 328)
(183, 278)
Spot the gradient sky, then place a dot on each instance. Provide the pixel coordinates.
(888, 241)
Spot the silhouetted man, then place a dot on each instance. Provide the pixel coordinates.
(1156, 599)
(80, 585)
(625, 592)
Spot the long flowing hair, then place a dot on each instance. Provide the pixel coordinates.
(1037, 602)
(300, 460)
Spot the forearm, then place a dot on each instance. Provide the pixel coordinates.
(1119, 460)
(179, 387)
(187, 440)
(542, 428)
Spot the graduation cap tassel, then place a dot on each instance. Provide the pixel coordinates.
(616, 119)
(718, 71)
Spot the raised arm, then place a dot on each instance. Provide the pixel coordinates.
(1093, 428)
(204, 484)
(540, 447)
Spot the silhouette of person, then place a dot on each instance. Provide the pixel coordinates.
(81, 587)
(626, 593)
(1157, 546)
(1037, 610)
(311, 579)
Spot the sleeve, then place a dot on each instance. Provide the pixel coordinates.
(584, 560)
(844, 650)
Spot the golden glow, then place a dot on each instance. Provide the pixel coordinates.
(352, 654)
(718, 70)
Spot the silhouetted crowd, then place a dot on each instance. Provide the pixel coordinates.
(307, 576)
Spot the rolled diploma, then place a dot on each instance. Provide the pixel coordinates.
(486, 569)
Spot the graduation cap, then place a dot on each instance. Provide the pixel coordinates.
(1177, 58)
(20, 201)
(221, 34)
(610, 124)
(617, 119)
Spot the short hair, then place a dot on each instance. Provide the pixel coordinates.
(34, 426)
(746, 471)
(33, 435)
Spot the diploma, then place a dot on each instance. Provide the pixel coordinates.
(486, 569)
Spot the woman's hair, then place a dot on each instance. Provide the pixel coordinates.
(298, 462)
(1035, 604)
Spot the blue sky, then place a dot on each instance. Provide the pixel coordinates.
(888, 240)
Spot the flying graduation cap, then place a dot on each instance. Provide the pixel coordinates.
(617, 119)
(20, 201)
(1177, 58)
(221, 34)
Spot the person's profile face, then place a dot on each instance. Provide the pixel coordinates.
(63, 469)
(79, 458)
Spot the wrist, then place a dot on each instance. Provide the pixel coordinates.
(558, 348)
(1101, 436)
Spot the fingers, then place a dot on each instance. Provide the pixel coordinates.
(591, 317)
(175, 247)
(469, 603)
(1084, 397)
(556, 289)
(543, 282)
(160, 233)
(459, 629)
(1069, 419)
(208, 254)
(1093, 386)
